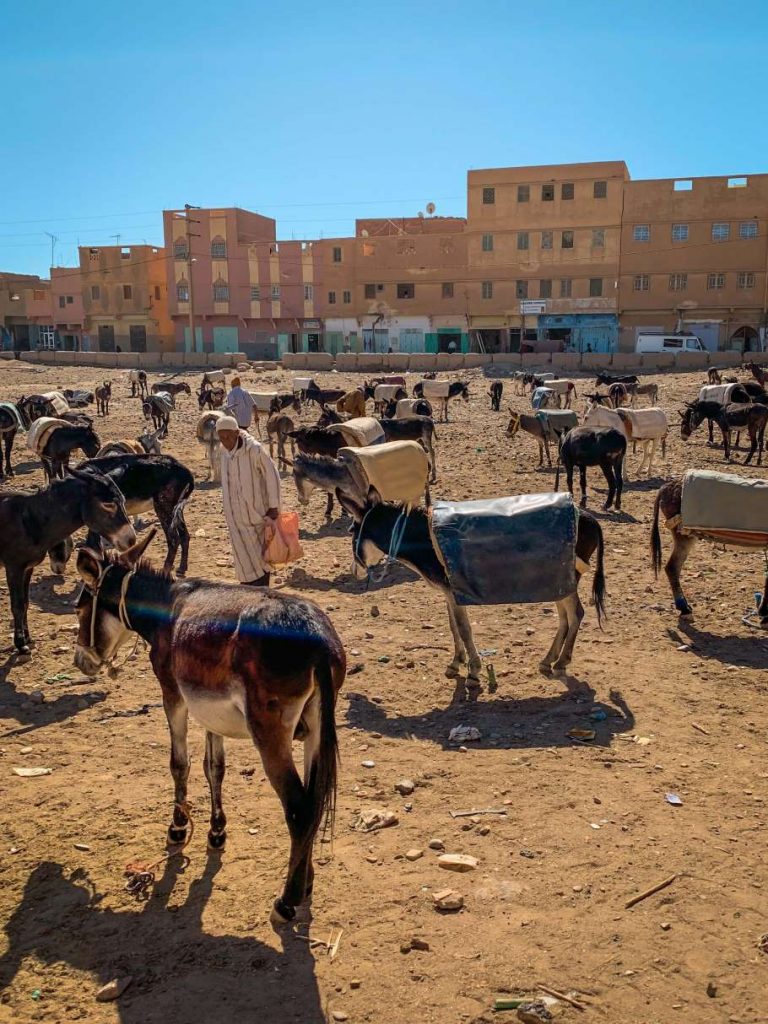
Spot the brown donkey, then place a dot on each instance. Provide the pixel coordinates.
(247, 663)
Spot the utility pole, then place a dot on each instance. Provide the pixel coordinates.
(54, 239)
(190, 236)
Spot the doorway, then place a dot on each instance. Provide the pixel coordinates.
(746, 338)
(106, 338)
(138, 338)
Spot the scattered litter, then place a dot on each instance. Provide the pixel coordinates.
(457, 862)
(483, 810)
(83, 847)
(133, 712)
(508, 1004)
(699, 728)
(674, 799)
(58, 678)
(32, 773)
(642, 741)
(368, 764)
(354, 669)
(581, 734)
(374, 819)
(762, 943)
(488, 652)
(534, 1013)
(561, 995)
(113, 989)
(461, 734)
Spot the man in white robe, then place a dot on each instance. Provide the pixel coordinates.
(250, 491)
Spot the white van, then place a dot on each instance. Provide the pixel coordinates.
(668, 343)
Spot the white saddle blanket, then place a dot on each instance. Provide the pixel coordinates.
(386, 392)
(405, 409)
(717, 393)
(262, 399)
(397, 469)
(359, 432)
(58, 401)
(40, 432)
(723, 502)
(647, 424)
(435, 388)
(301, 384)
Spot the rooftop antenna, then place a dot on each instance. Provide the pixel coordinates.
(116, 238)
(54, 239)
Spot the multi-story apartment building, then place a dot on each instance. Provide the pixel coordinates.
(67, 312)
(694, 257)
(125, 299)
(25, 312)
(543, 254)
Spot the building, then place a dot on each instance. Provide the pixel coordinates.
(694, 257)
(67, 313)
(125, 299)
(543, 249)
(25, 312)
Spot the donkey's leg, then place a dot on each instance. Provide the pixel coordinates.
(459, 654)
(545, 665)
(25, 595)
(574, 611)
(607, 467)
(681, 548)
(762, 611)
(15, 579)
(310, 720)
(177, 716)
(329, 505)
(583, 484)
(465, 632)
(214, 766)
(752, 446)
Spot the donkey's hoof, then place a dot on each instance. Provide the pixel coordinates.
(560, 667)
(452, 672)
(176, 835)
(545, 668)
(23, 652)
(281, 913)
(216, 840)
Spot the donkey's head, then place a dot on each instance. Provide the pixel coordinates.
(102, 617)
(514, 422)
(90, 443)
(102, 507)
(689, 420)
(149, 441)
(365, 551)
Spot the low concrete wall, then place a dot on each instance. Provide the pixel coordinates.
(597, 360)
(450, 361)
(319, 361)
(397, 362)
(473, 360)
(535, 360)
(422, 361)
(508, 360)
(761, 358)
(346, 362)
(370, 362)
(727, 359)
(566, 360)
(692, 360)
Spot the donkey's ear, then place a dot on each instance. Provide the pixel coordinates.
(132, 555)
(374, 498)
(681, 414)
(89, 565)
(350, 505)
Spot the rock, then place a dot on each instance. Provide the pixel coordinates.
(32, 773)
(414, 854)
(375, 613)
(419, 944)
(113, 989)
(339, 1015)
(405, 947)
(529, 631)
(37, 697)
(368, 635)
(405, 787)
(484, 830)
(457, 862)
(447, 900)
(436, 844)
(374, 818)
(83, 847)
(463, 734)
(368, 764)
(534, 1013)
(665, 926)
(711, 989)
(355, 983)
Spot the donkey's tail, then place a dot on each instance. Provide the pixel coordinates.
(598, 583)
(656, 537)
(322, 780)
(178, 525)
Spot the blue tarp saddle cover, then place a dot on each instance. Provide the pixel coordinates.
(514, 550)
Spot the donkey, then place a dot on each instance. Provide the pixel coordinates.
(456, 389)
(170, 388)
(757, 372)
(32, 523)
(145, 444)
(157, 482)
(34, 407)
(245, 663)
(374, 525)
(323, 396)
(59, 445)
(287, 400)
(594, 446)
(635, 390)
(103, 395)
(603, 377)
(11, 422)
(279, 427)
(669, 501)
(618, 394)
(735, 416)
(210, 396)
(77, 398)
(416, 428)
(353, 402)
(407, 408)
(138, 382)
(311, 472)
(494, 393)
(158, 408)
(317, 441)
(545, 427)
(206, 435)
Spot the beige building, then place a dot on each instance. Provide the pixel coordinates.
(694, 257)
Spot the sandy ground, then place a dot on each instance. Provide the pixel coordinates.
(586, 826)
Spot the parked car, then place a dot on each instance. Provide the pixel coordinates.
(668, 343)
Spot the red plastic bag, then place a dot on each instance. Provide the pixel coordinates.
(281, 539)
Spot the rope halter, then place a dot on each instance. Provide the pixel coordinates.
(122, 611)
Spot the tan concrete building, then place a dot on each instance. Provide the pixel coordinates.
(694, 257)
(125, 299)
(543, 253)
(25, 302)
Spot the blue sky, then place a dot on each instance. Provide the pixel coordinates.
(316, 113)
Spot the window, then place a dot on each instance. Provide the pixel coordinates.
(642, 283)
(219, 249)
(748, 229)
(47, 337)
(337, 254)
(547, 193)
(95, 292)
(487, 289)
(546, 239)
(678, 282)
(745, 280)
(331, 298)
(309, 292)
(487, 243)
(346, 297)
(221, 291)
(595, 287)
(598, 238)
(641, 233)
(70, 300)
(521, 289)
(275, 293)
(127, 291)
(721, 232)
(715, 281)
(683, 185)
(523, 193)
(406, 291)
(567, 240)
(522, 239)
(182, 291)
(737, 183)
(566, 190)
(447, 289)
(255, 293)
(565, 288)
(180, 250)
(545, 289)
(370, 291)
(600, 190)
(489, 196)
(679, 232)
(157, 291)
(62, 302)
(368, 249)
(125, 254)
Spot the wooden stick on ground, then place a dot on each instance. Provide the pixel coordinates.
(335, 947)
(650, 892)
(482, 810)
(699, 728)
(561, 995)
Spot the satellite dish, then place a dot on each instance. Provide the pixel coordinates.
(364, 233)
(421, 214)
(430, 208)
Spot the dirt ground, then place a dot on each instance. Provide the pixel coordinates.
(586, 825)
